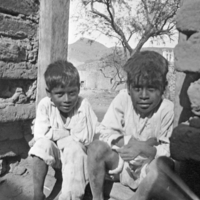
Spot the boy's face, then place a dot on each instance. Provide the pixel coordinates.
(64, 98)
(144, 98)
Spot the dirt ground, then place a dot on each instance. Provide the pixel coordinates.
(17, 184)
(99, 99)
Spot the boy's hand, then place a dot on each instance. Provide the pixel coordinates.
(134, 148)
(130, 151)
(152, 141)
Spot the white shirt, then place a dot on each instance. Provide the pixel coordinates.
(122, 119)
(81, 123)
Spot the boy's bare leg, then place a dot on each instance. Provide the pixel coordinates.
(101, 158)
(163, 184)
(40, 169)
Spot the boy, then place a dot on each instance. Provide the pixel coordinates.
(64, 126)
(133, 146)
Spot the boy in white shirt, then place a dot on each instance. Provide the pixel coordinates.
(133, 145)
(64, 126)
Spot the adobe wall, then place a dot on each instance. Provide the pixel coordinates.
(93, 76)
(18, 72)
(185, 140)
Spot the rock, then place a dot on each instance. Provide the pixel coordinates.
(11, 27)
(195, 122)
(188, 54)
(188, 17)
(185, 143)
(20, 70)
(17, 112)
(2, 166)
(20, 6)
(194, 96)
(11, 148)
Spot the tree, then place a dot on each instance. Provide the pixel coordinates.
(121, 19)
(115, 61)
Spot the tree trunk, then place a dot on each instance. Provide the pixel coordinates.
(53, 37)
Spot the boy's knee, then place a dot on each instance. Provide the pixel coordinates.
(43, 143)
(74, 150)
(46, 150)
(164, 162)
(70, 195)
(74, 147)
(98, 149)
(161, 164)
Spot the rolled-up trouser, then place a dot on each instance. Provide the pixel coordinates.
(74, 165)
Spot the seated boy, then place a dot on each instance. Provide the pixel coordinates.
(64, 126)
(133, 145)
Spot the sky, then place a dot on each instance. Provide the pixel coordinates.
(73, 29)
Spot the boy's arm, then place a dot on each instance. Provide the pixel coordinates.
(42, 126)
(86, 124)
(135, 148)
(165, 132)
(154, 147)
(111, 127)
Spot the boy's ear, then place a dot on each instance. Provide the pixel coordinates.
(48, 92)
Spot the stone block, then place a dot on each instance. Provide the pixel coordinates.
(12, 27)
(189, 172)
(2, 167)
(182, 102)
(19, 7)
(194, 97)
(188, 17)
(15, 130)
(12, 51)
(185, 143)
(17, 112)
(188, 55)
(22, 70)
(11, 148)
(11, 131)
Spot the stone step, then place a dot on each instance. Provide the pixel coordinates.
(16, 112)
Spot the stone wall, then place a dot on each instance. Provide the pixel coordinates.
(185, 140)
(18, 72)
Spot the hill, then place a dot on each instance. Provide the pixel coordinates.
(85, 50)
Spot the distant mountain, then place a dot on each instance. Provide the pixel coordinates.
(86, 50)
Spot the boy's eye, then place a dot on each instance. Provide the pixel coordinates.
(72, 93)
(137, 89)
(151, 89)
(59, 94)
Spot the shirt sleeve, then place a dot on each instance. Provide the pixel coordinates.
(85, 127)
(167, 118)
(112, 126)
(42, 126)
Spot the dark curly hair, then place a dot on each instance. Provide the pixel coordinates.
(61, 73)
(147, 68)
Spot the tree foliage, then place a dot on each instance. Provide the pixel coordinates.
(121, 19)
(115, 61)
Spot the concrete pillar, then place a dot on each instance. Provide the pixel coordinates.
(53, 37)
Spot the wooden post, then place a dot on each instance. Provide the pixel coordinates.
(53, 37)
